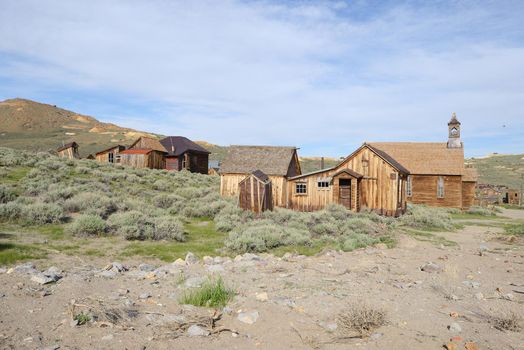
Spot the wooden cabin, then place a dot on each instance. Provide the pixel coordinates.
(512, 197)
(255, 192)
(487, 194)
(110, 155)
(146, 152)
(69, 151)
(184, 154)
(366, 179)
(438, 176)
(278, 163)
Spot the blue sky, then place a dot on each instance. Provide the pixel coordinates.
(323, 76)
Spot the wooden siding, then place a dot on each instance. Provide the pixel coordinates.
(172, 163)
(468, 194)
(424, 189)
(198, 162)
(151, 160)
(69, 153)
(229, 187)
(103, 157)
(513, 197)
(255, 195)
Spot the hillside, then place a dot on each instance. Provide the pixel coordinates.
(30, 125)
(500, 169)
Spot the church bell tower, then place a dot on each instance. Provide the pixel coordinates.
(454, 132)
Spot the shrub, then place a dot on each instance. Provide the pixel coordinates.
(361, 318)
(6, 194)
(165, 201)
(11, 211)
(168, 227)
(508, 321)
(42, 213)
(356, 241)
(132, 225)
(210, 294)
(481, 211)
(420, 216)
(90, 203)
(517, 229)
(87, 225)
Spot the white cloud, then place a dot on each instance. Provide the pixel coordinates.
(315, 75)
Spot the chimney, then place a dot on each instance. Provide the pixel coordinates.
(321, 163)
(173, 148)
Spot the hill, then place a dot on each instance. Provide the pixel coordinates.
(25, 124)
(500, 169)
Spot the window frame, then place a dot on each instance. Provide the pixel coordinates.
(325, 186)
(111, 157)
(303, 190)
(409, 186)
(440, 187)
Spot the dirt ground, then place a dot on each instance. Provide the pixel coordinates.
(480, 277)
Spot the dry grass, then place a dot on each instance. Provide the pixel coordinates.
(507, 321)
(361, 318)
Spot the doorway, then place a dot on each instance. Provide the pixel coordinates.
(344, 192)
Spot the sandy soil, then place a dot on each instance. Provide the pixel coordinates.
(304, 297)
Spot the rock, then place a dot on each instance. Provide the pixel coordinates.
(250, 257)
(146, 267)
(508, 296)
(73, 323)
(328, 326)
(53, 270)
(471, 346)
(43, 279)
(471, 284)
(431, 267)
(248, 317)
(179, 262)
(287, 256)
(455, 328)
(483, 249)
(197, 331)
(191, 258)
(479, 296)
(237, 258)
(218, 260)
(284, 301)
(27, 268)
(195, 282)
(144, 296)
(107, 274)
(227, 310)
(451, 346)
(208, 260)
(215, 268)
(122, 291)
(376, 336)
(51, 347)
(3, 270)
(262, 296)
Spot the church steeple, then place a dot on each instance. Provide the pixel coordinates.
(454, 132)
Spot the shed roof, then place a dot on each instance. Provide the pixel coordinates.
(177, 145)
(470, 174)
(149, 143)
(66, 146)
(137, 151)
(271, 160)
(425, 158)
(120, 148)
(260, 175)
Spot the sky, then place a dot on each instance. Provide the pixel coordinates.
(324, 76)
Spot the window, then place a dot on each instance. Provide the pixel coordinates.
(322, 184)
(409, 191)
(117, 158)
(110, 157)
(300, 188)
(440, 187)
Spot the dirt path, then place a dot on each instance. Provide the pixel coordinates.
(304, 297)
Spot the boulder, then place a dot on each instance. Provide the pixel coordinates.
(208, 260)
(195, 282)
(146, 267)
(191, 259)
(431, 267)
(455, 328)
(197, 331)
(179, 262)
(215, 268)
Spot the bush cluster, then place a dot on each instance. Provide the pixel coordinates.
(423, 217)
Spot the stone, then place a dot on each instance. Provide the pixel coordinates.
(508, 296)
(479, 296)
(53, 270)
(179, 262)
(431, 267)
(455, 328)
(451, 346)
(472, 284)
(376, 336)
(197, 331)
(27, 268)
(329, 326)
(118, 267)
(248, 317)
(195, 282)
(215, 268)
(227, 310)
(262, 296)
(43, 279)
(122, 291)
(208, 260)
(471, 346)
(73, 323)
(146, 267)
(191, 258)
(144, 296)
(218, 260)
(287, 256)
(284, 301)
(3, 270)
(250, 257)
(237, 258)
(51, 347)
(107, 274)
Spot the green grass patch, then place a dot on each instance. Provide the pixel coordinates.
(466, 216)
(93, 252)
(68, 249)
(202, 239)
(53, 232)
(211, 294)
(426, 236)
(16, 174)
(515, 229)
(11, 253)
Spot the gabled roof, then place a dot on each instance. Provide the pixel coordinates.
(149, 143)
(268, 159)
(470, 174)
(349, 172)
(66, 146)
(425, 158)
(260, 175)
(177, 145)
(120, 148)
(384, 155)
(137, 151)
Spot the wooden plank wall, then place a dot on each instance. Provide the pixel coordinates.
(69, 153)
(156, 160)
(229, 187)
(468, 194)
(134, 160)
(254, 195)
(104, 157)
(424, 189)
(198, 163)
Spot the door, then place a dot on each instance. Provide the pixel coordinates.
(344, 192)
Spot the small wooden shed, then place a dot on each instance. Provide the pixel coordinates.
(255, 192)
(69, 151)
(110, 155)
(512, 197)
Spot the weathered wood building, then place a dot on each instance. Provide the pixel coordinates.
(366, 179)
(255, 192)
(146, 152)
(69, 151)
(110, 155)
(278, 163)
(184, 154)
(513, 197)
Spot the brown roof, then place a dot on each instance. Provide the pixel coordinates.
(149, 143)
(137, 151)
(470, 174)
(425, 158)
(66, 146)
(268, 159)
(176, 145)
(120, 148)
